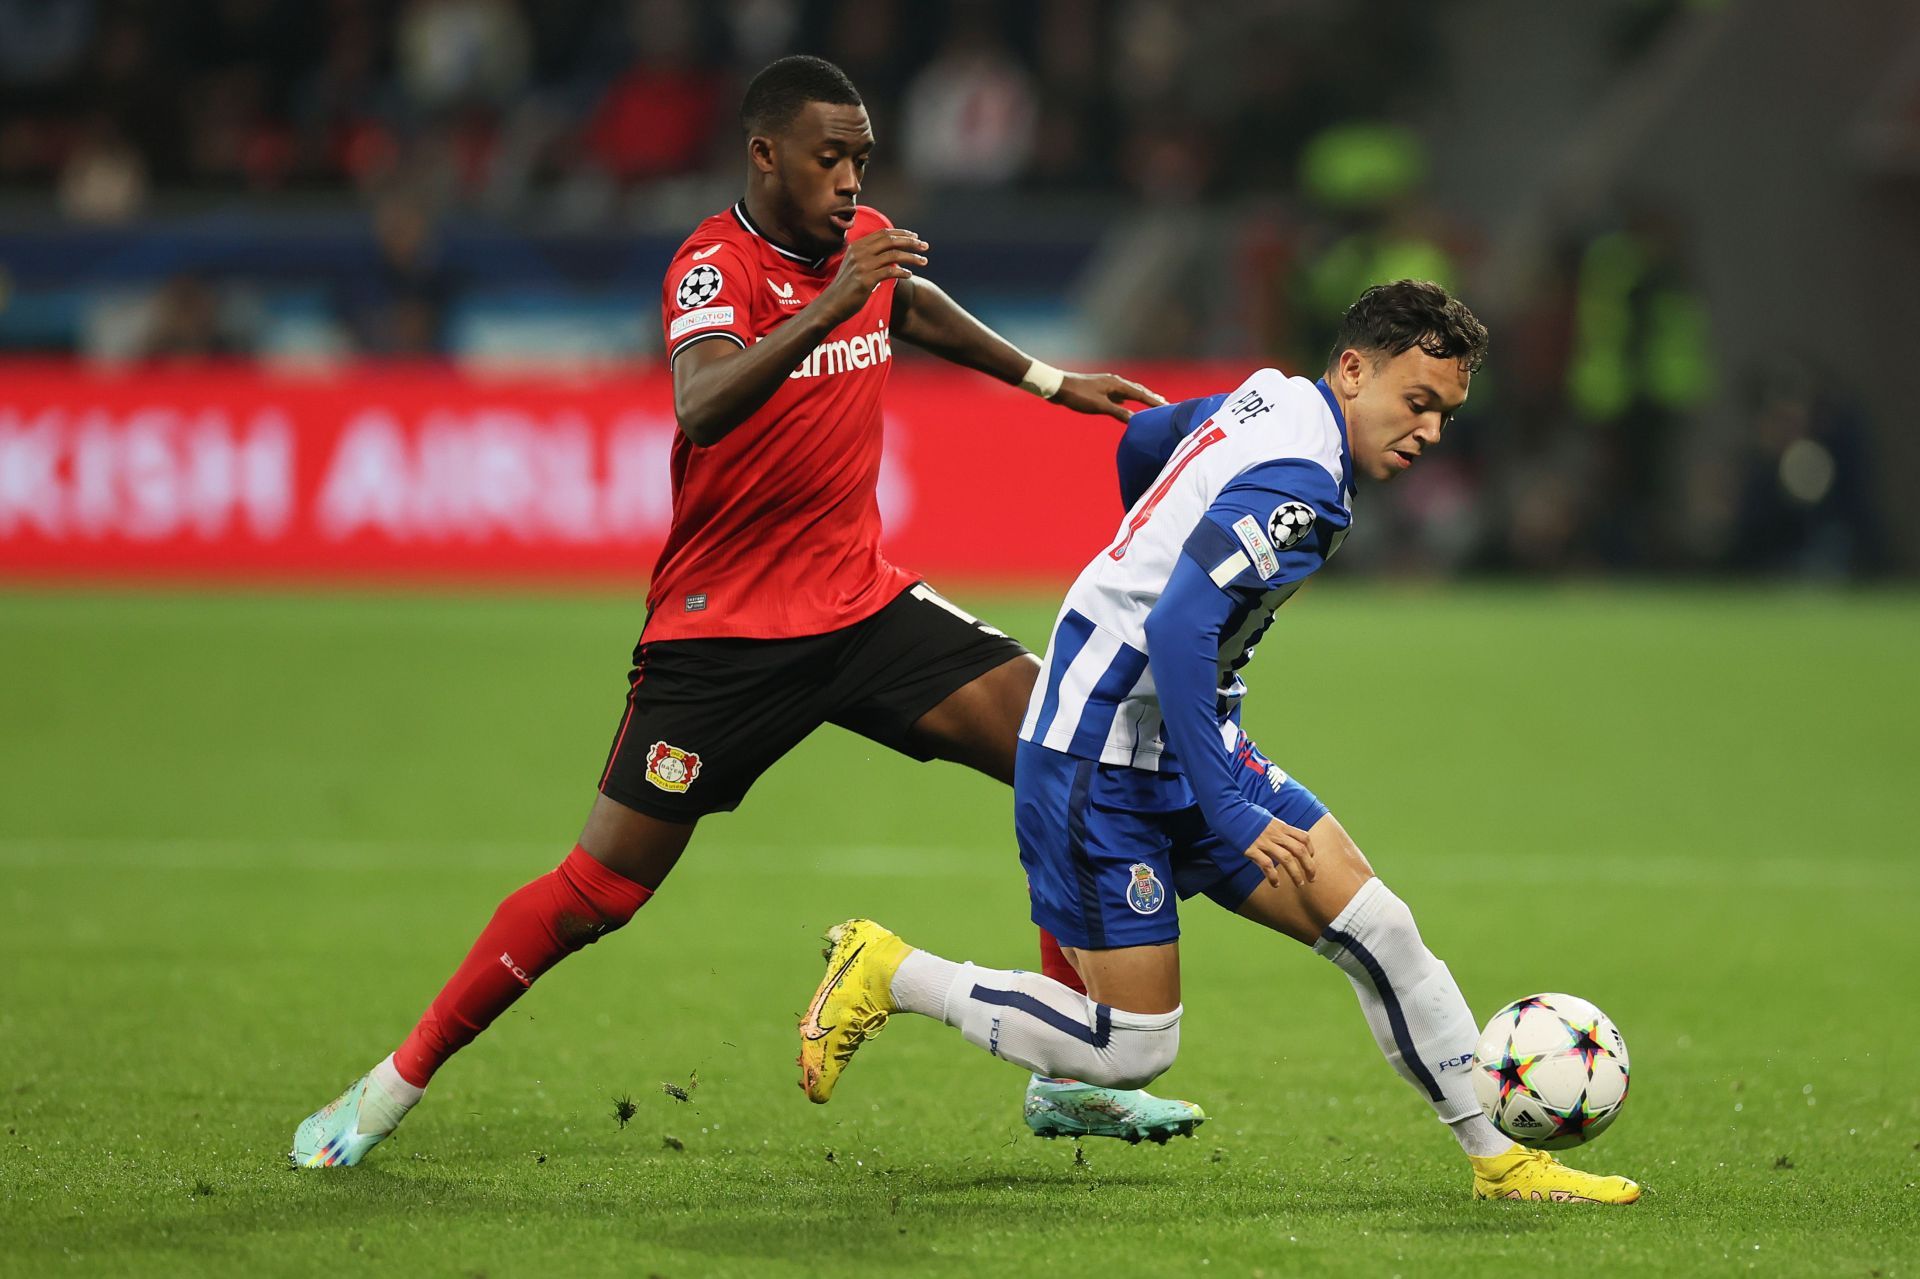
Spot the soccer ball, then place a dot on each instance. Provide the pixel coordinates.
(1551, 1071)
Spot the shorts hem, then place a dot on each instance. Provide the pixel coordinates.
(662, 810)
(985, 662)
(1228, 891)
(1072, 933)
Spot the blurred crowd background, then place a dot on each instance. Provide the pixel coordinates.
(1694, 227)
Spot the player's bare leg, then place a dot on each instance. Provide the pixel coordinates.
(1142, 979)
(629, 843)
(1416, 1012)
(622, 856)
(979, 725)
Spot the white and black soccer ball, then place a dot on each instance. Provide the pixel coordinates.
(1288, 524)
(1551, 1071)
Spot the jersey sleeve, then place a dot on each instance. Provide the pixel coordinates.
(706, 295)
(1150, 439)
(1183, 653)
(1271, 525)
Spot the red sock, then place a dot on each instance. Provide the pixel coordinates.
(1054, 964)
(535, 928)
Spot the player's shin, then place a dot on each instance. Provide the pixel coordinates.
(1036, 1022)
(537, 926)
(1414, 1008)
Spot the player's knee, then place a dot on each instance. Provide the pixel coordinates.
(1394, 918)
(594, 900)
(1139, 1054)
(1378, 914)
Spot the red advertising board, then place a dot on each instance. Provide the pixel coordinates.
(424, 473)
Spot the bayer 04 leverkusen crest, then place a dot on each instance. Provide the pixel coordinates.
(671, 768)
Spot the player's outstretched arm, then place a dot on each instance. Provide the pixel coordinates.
(1183, 651)
(925, 315)
(717, 385)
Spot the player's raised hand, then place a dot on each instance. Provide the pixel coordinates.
(1105, 393)
(889, 254)
(1282, 853)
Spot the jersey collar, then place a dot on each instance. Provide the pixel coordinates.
(746, 220)
(1346, 454)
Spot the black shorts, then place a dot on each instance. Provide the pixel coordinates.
(706, 717)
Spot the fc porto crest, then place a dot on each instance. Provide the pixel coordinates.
(1146, 894)
(671, 768)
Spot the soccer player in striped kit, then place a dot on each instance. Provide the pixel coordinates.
(1136, 786)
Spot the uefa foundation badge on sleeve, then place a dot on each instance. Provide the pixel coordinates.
(1146, 894)
(671, 768)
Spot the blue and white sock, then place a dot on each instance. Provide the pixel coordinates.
(1038, 1023)
(1414, 1008)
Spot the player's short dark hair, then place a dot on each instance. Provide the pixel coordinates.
(785, 86)
(1391, 318)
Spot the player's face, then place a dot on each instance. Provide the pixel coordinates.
(1397, 409)
(819, 163)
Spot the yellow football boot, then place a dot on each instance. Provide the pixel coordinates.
(852, 1003)
(1534, 1174)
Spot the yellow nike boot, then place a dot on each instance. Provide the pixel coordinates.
(1534, 1174)
(852, 1003)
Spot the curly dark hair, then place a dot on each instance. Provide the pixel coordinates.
(1390, 318)
(784, 86)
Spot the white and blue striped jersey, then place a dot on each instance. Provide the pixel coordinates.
(1251, 499)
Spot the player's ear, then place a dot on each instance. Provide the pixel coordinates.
(1351, 371)
(760, 152)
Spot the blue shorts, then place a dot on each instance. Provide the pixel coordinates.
(1102, 842)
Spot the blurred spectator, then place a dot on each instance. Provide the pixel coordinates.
(762, 30)
(970, 114)
(343, 105)
(43, 40)
(659, 117)
(104, 178)
(1806, 502)
(400, 308)
(1373, 224)
(1642, 368)
(877, 45)
(185, 324)
(457, 53)
(1069, 134)
(127, 82)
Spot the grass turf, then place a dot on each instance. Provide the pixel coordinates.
(242, 839)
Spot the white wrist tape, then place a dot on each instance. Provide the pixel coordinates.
(1042, 379)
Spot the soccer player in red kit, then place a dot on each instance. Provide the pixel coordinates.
(772, 609)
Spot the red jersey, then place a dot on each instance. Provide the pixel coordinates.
(776, 528)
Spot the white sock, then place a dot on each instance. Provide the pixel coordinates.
(920, 984)
(1416, 1012)
(388, 1100)
(1036, 1022)
(1477, 1136)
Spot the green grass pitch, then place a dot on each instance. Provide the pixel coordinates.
(243, 838)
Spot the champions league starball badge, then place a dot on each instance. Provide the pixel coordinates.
(1288, 524)
(698, 287)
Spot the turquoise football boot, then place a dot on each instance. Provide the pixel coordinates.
(1069, 1108)
(340, 1133)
